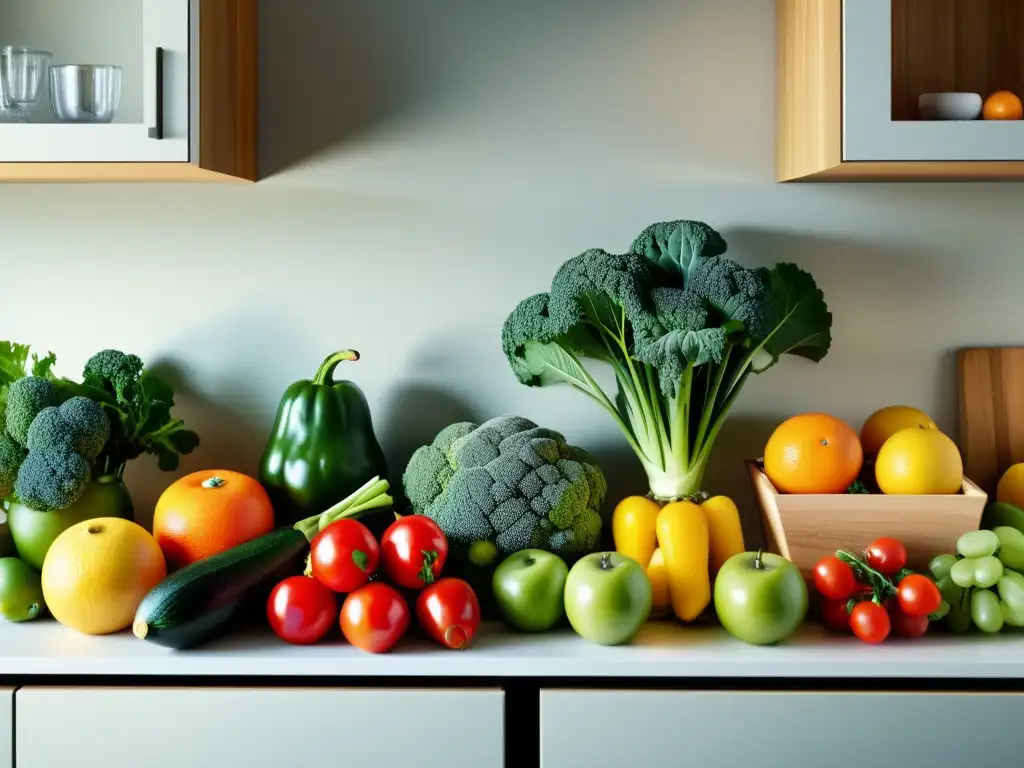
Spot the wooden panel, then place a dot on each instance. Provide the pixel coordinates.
(253, 727)
(955, 45)
(991, 394)
(670, 729)
(809, 83)
(228, 82)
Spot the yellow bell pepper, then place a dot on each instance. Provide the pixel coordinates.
(661, 595)
(724, 528)
(633, 528)
(684, 539)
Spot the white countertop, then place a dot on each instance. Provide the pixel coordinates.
(662, 650)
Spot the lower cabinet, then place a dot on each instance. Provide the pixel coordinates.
(272, 727)
(662, 729)
(6, 727)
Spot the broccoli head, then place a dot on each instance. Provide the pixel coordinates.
(115, 372)
(511, 483)
(11, 456)
(26, 398)
(62, 444)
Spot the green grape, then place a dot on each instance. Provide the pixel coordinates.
(959, 617)
(986, 611)
(988, 571)
(962, 572)
(945, 584)
(940, 565)
(977, 544)
(941, 613)
(1014, 617)
(1011, 546)
(1011, 590)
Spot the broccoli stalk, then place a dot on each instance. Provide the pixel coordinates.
(682, 328)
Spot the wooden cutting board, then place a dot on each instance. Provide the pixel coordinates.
(991, 393)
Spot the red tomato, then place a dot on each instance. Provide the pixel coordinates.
(301, 610)
(886, 555)
(834, 578)
(834, 615)
(904, 624)
(449, 612)
(870, 622)
(918, 595)
(413, 551)
(344, 555)
(374, 617)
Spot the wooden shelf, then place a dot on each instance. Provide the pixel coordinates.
(932, 45)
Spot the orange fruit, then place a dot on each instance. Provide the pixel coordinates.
(208, 512)
(886, 422)
(96, 573)
(1011, 486)
(919, 461)
(813, 453)
(1003, 105)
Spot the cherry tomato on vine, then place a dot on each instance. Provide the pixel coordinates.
(904, 624)
(301, 610)
(834, 579)
(870, 622)
(886, 555)
(918, 595)
(834, 615)
(344, 555)
(374, 617)
(449, 612)
(413, 550)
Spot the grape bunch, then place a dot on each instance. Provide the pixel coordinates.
(982, 582)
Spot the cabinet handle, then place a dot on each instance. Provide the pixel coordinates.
(157, 132)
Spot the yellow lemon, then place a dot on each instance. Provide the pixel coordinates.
(1011, 486)
(96, 573)
(886, 422)
(919, 461)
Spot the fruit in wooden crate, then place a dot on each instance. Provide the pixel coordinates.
(813, 453)
(886, 422)
(1010, 489)
(919, 461)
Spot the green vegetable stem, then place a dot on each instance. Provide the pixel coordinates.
(322, 446)
(682, 328)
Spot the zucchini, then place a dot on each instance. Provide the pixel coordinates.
(206, 599)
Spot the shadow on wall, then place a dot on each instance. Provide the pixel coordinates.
(326, 74)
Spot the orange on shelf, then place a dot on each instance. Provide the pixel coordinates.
(1003, 105)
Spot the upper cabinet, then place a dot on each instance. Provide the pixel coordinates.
(128, 90)
(859, 83)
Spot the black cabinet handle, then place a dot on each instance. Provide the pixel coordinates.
(157, 132)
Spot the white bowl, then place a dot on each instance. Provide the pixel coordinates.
(949, 106)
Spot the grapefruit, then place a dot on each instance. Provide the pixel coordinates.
(97, 572)
(813, 453)
(886, 422)
(1011, 486)
(918, 461)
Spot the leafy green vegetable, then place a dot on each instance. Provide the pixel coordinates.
(139, 405)
(15, 363)
(682, 328)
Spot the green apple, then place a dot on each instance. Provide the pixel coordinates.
(33, 532)
(760, 598)
(528, 588)
(607, 598)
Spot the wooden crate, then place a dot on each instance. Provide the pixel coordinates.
(805, 527)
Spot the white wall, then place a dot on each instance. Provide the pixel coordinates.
(484, 143)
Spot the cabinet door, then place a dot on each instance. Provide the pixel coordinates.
(257, 727)
(661, 729)
(6, 727)
(151, 42)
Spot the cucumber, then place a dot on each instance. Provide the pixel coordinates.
(1000, 513)
(206, 599)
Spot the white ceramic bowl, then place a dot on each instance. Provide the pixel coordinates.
(949, 106)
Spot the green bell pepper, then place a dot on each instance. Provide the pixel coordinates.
(322, 446)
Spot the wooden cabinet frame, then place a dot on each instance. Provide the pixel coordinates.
(809, 118)
(223, 90)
